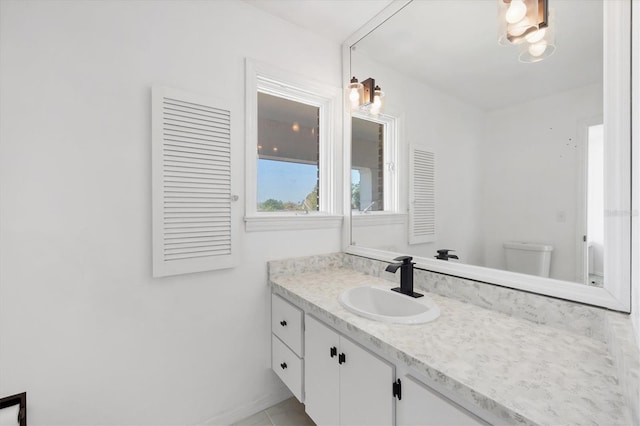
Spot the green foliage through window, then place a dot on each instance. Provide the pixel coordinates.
(355, 196)
(309, 204)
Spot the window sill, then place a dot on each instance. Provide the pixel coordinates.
(377, 219)
(291, 222)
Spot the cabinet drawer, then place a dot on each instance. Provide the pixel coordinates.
(287, 366)
(286, 323)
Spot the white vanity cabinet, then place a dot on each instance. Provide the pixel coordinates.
(420, 405)
(344, 383)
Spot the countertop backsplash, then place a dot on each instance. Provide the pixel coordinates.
(570, 316)
(299, 265)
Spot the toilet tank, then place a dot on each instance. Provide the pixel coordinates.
(528, 258)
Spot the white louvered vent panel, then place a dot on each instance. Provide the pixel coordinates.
(422, 210)
(192, 142)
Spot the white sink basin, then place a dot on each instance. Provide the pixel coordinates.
(382, 304)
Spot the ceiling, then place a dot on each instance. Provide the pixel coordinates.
(335, 20)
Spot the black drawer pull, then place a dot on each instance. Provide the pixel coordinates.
(333, 351)
(283, 365)
(341, 359)
(283, 323)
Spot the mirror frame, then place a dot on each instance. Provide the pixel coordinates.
(616, 293)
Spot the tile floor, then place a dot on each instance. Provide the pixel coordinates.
(287, 413)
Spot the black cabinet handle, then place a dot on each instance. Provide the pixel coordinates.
(333, 351)
(283, 323)
(341, 359)
(283, 365)
(397, 389)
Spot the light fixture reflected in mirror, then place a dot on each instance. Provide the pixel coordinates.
(365, 96)
(539, 44)
(376, 106)
(527, 23)
(355, 90)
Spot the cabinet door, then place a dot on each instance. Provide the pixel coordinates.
(420, 405)
(321, 373)
(366, 396)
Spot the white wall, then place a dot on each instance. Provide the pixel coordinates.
(452, 130)
(84, 329)
(530, 175)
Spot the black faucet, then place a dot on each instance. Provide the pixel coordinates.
(406, 275)
(443, 254)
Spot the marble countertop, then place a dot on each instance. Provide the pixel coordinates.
(517, 370)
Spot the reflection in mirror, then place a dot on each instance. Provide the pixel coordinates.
(374, 186)
(367, 165)
(519, 182)
(593, 259)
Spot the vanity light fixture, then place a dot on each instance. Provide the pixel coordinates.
(355, 92)
(365, 96)
(527, 23)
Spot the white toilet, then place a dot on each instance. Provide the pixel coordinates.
(528, 258)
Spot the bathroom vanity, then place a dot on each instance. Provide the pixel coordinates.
(469, 366)
(344, 383)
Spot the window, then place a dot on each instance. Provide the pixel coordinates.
(291, 177)
(288, 150)
(373, 172)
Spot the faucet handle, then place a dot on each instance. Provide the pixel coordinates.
(404, 259)
(443, 254)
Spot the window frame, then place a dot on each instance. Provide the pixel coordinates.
(266, 79)
(391, 138)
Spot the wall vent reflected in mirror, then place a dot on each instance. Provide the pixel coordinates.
(422, 196)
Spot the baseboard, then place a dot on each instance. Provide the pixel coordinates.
(238, 413)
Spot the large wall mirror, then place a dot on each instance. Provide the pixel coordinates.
(529, 162)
